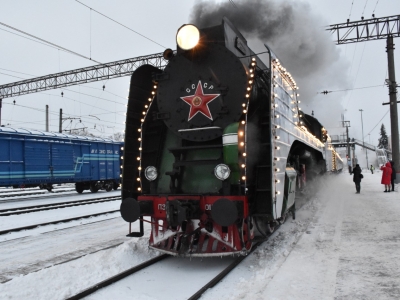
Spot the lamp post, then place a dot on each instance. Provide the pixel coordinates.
(362, 128)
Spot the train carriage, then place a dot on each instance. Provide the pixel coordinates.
(30, 158)
(216, 145)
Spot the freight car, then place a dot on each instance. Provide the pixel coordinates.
(216, 145)
(31, 158)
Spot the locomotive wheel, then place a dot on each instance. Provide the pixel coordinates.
(49, 188)
(94, 188)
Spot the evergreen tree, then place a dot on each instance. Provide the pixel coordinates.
(383, 140)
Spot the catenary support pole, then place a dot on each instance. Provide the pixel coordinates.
(394, 122)
(60, 124)
(47, 118)
(1, 102)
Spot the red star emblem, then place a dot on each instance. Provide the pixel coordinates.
(199, 102)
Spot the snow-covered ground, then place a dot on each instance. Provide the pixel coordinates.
(342, 245)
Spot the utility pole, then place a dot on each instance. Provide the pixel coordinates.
(47, 118)
(60, 124)
(377, 29)
(1, 103)
(362, 128)
(349, 161)
(394, 123)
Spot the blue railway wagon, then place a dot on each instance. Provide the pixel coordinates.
(31, 158)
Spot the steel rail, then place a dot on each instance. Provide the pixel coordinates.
(44, 207)
(117, 277)
(55, 222)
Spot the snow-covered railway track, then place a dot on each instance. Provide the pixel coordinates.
(56, 221)
(224, 271)
(37, 195)
(43, 207)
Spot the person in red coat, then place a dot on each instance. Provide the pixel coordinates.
(386, 176)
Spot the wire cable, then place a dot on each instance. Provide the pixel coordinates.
(364, 8)
(377, 123)
(121, 24)
(50, 43)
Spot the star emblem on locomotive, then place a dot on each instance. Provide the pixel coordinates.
(199, 102)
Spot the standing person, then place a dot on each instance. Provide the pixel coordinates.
(357, 176)
(372, 169)
(393, 174)
(386, 176)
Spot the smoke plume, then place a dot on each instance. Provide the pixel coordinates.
(299, 39)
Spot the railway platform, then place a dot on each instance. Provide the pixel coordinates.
(350, 249)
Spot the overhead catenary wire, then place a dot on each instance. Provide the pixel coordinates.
(121, 24)
(50, 43)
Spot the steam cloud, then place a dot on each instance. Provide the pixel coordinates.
(297, 36)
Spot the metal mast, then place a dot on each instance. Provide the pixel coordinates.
(376, 29)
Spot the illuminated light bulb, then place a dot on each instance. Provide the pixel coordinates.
(142, 120)
(139, 139)
(244, 104)
(248, 88)
(139, 130)
(253, 59)
(295, 123)
(244, 111)
(243, 177)
(138, 179)
(277, 60)
(277, 180)
(243, 166)
(275, 95)
(155, 86)
(253, 64)
(146, 106)
(243, 122)
(139, 168)
(149, 99)
(298, 101)
(122, 167)
(123, 140)
(247, 95)
(276, 169)
(139, 189)
(250, 81)
(252, 75)
(277, 137)
(275, 85)
(277, 116)
(277, 126)
(277, 158)
(276, 105)
(138, 158)
(277, 148)
(153, 92)
(251, 70)
(122, 157)
(299, 108)
(241, 143)
(301, 122)
(120, 175)
(295, 115)
(122, 148)
(244, 154)
(298, 95)
(241, 133)
(277, 192)
(143, 112)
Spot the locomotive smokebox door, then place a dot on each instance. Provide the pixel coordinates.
(200, 97)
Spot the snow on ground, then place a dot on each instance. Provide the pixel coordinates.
(342, 245)
(348, 249)
(15, 221)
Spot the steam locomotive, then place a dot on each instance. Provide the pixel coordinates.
(216, 145)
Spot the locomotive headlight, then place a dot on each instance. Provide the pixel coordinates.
(188, 37)
(222, 171)
(150, 173)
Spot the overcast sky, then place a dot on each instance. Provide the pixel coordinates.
(73, 26)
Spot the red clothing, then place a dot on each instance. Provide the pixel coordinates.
(386, 174)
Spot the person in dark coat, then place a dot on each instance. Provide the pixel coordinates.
(357, 176)
(393, 174)
(386, 176)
